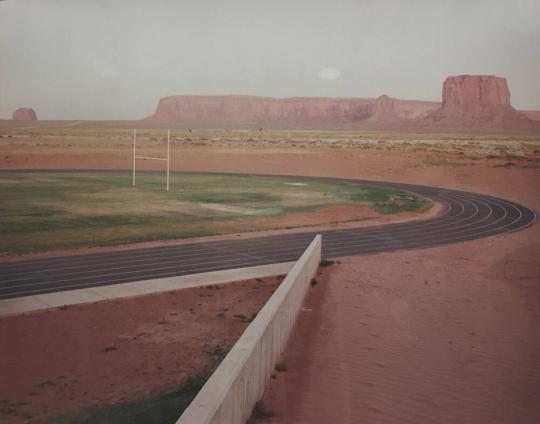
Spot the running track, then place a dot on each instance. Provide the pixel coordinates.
(465, 216)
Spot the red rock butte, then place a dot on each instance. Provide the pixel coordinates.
(293, 111)
(477, 101)
(25, 114)
(468, 102)
(475, 90)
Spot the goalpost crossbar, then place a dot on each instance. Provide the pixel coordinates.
(148, 157)
(135, 157)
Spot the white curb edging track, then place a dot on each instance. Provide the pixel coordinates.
(19, 305)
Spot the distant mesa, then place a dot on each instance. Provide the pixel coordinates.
(468, 102)
(292, 111)
(25, 114)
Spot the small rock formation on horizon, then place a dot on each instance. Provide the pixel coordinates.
(383, 110)
(386, 111)
(24, 114)
(477, 101)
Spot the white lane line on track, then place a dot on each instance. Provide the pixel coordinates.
(145, 271)
(232, 253)
(202, 250)
(450, 239)
(183, 260)
(446, 233)
(490, 230)
(153, 252)
(255, 263)
(114, 281)
(427, 245)
(398, 243)
(156, 251)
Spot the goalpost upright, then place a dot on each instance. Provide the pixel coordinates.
(135, 157)
(168, 155)
(134, 153)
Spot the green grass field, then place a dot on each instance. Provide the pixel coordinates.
(49, 211)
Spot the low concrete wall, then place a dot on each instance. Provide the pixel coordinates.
(238, 383)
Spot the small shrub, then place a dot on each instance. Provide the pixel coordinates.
(219, 352)
(326, 262)
(110, 349)
(243, 318)
(280, 367)
(259, 412)
(505, 165)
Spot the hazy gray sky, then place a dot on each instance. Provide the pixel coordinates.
(72, 59)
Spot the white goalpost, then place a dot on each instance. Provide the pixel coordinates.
(135, 157)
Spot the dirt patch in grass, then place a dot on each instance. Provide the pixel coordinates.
(122, 359)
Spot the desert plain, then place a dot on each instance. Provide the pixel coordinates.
(433, 335)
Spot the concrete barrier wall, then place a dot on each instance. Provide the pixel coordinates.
(238, 383)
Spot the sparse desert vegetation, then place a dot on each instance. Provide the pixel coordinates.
(522, 149)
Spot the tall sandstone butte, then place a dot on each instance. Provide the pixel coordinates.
(477, 101)
(473, 91)
(24, 114)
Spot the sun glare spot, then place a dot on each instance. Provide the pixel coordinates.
(329, 74)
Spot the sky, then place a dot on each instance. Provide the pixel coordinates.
(114, 59)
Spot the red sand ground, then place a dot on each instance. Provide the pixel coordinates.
(443, 335)
(447, 335)
(54, 362)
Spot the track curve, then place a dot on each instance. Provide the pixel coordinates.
(465, 216)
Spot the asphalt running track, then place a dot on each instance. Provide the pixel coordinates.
(465, 216)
